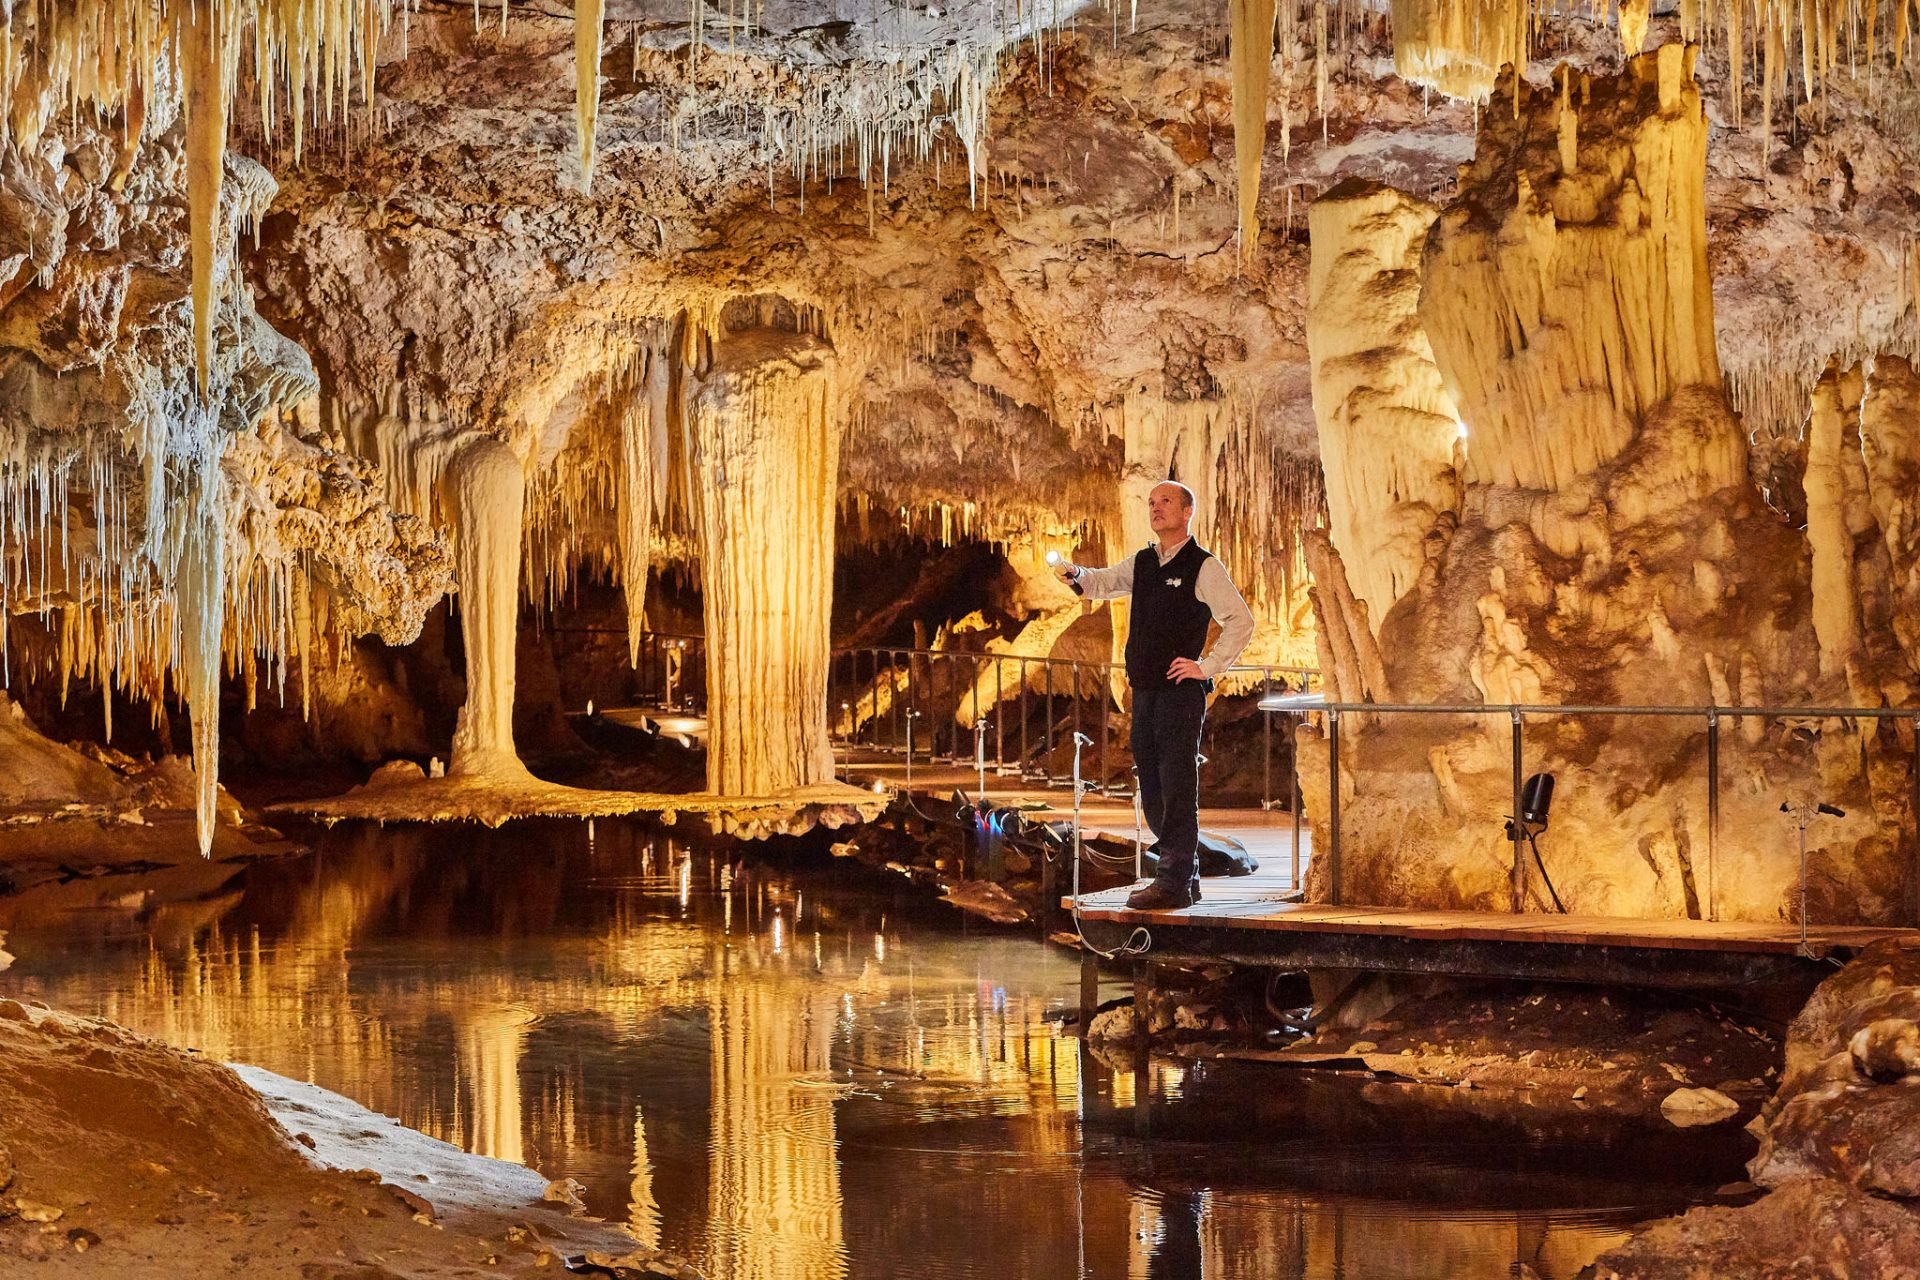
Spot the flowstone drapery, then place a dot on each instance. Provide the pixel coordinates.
(1609, 549)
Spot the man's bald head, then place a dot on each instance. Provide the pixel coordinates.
(1176, 489)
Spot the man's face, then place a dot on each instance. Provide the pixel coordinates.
(1167, 509)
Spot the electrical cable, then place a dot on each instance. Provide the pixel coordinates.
(1140, 940)
(1534, 845)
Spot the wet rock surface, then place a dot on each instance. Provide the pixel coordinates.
(1839, 1146)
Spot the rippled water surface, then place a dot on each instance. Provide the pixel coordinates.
(787, 1072)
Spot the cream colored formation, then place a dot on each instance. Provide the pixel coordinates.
(1606, 547)
(1519, 398)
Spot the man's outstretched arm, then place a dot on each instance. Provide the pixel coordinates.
(1104, 584)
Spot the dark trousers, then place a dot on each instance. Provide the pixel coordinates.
(1166, 749)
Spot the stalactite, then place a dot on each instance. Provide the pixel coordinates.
(589, 17)
(204, 63)
(1252, 61)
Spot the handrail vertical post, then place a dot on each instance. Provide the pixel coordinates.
(1266, 745)
(1104, 694)
(999, 716)
(1076, 701)
(1048, 739)
(1333, 805)
(1293, 774)
(1713, 813)
(1023, 721)
(1913, 868)
(1519, 863)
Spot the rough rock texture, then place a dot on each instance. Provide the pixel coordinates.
(1837, 1144)
(124, 1156)
(1610, 549)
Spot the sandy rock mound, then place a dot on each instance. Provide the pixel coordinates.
(119, 1155)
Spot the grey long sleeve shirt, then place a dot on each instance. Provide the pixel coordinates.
(1212, 587)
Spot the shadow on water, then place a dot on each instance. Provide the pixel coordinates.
(766, 1061)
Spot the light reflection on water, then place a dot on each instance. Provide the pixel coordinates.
(788, 1075)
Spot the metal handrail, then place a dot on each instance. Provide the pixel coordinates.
(1517, 713)
(924, 678)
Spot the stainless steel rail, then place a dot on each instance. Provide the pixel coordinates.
(1710, 717)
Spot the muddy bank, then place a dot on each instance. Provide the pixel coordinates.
(120, 1155)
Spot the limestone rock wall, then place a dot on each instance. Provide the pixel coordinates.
(1609, 549)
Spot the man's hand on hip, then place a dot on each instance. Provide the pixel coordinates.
(1184, 669)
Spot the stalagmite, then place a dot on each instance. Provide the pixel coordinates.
(1834, 497)
(1344, 621)
(764, 434)
(1388, 430)
(589, 18)
(1252, 59)
(483, 491)
(1890, 448)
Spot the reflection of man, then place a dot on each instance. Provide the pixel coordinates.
(1177, 588)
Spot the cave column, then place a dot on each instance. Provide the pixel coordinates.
(483, 491)
(764, 434)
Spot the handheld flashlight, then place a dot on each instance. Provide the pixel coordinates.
(1054, 561)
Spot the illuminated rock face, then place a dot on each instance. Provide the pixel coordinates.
(1388, 430)
(1609, 549)
(1567, 283)
(173, 510)
(763, 426)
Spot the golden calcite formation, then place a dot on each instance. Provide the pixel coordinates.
(1568, 284)
(1608, 549)
(763, 412)
(1459, 46)
(1388, 430)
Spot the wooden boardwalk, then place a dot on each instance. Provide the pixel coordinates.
(1258, 919)
(1255, 903)
(1267, 834)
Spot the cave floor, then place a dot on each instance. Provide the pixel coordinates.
(494, 801)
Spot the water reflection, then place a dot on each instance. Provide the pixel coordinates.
(793, 1076)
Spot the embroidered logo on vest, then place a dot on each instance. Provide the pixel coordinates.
(1173, 582)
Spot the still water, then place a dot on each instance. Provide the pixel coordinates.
(773, 1065)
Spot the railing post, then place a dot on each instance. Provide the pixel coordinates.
(1076, 700)
(1293, 774)
(1519, 863)
(1048, 772)
(1023, 721)
(999, 716)
(1713, 813)
(1105, 694)
(1266, 745)
(1913, 868)
(1333, 806)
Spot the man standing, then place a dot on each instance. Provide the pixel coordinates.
(1177, 588)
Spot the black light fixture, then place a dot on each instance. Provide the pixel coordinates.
(1536, 801)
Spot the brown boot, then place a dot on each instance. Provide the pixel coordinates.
(1164, 895)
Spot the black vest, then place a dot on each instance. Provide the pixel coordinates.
(1168, 619)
